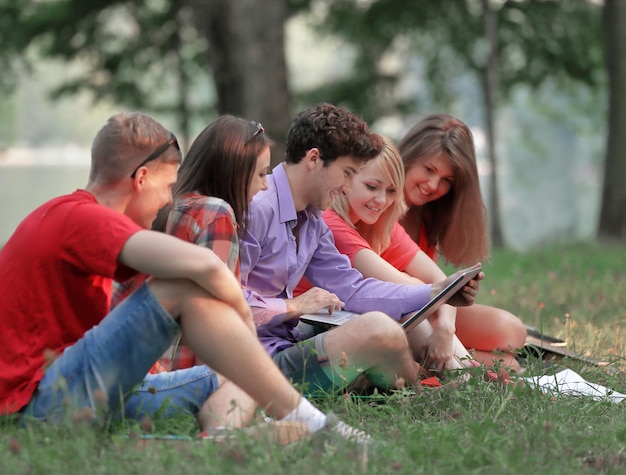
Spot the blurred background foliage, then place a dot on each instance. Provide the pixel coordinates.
(539, 81)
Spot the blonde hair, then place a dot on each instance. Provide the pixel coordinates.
(456, 224)
(378, 235)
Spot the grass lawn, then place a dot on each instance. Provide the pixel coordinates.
(577, 293)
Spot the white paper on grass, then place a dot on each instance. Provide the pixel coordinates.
(568, 382)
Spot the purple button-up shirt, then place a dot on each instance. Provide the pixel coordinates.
(272, 266)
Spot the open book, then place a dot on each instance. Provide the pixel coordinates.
(409, 320)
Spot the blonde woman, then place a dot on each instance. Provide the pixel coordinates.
(365, 225)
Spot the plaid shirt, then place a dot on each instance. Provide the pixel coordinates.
(202, 220)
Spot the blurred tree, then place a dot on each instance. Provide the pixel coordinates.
(613, 210)
(140, 54)
(247, 57)
(491, 85)
(504, 43)
(8, 127)
(161, 55)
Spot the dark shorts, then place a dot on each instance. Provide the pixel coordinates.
(307, 366)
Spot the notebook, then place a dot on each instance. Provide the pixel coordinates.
(408, 321)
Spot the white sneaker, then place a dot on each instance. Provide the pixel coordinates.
(338, 430)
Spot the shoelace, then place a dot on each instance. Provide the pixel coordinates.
(350, 432)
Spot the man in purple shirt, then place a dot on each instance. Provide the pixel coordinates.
(287, 239)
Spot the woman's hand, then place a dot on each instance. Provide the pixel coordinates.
(467, 295)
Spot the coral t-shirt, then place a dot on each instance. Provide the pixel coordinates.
(400, 252)
(56, 275)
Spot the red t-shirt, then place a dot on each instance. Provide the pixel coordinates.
(424, 245)
(56, 275)
(401, 251)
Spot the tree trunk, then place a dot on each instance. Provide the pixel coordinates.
(613, 211)
(490, 91)
(247, 55)
(183, 111)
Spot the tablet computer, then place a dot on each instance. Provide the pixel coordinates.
(409, 320)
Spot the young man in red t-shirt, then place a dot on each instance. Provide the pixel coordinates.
(62, 349)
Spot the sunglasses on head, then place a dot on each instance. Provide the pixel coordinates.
(258, 130)
(158, 152)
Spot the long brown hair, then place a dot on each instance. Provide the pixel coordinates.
(220, 163)
(378, 235)
(456, 224)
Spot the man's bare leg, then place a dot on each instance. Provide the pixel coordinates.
(218, 336)
(229, 407)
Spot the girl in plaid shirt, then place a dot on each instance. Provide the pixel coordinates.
(225, 167)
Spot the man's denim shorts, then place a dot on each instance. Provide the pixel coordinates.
(107, 369)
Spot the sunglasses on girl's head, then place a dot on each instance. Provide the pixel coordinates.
(259, 129)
